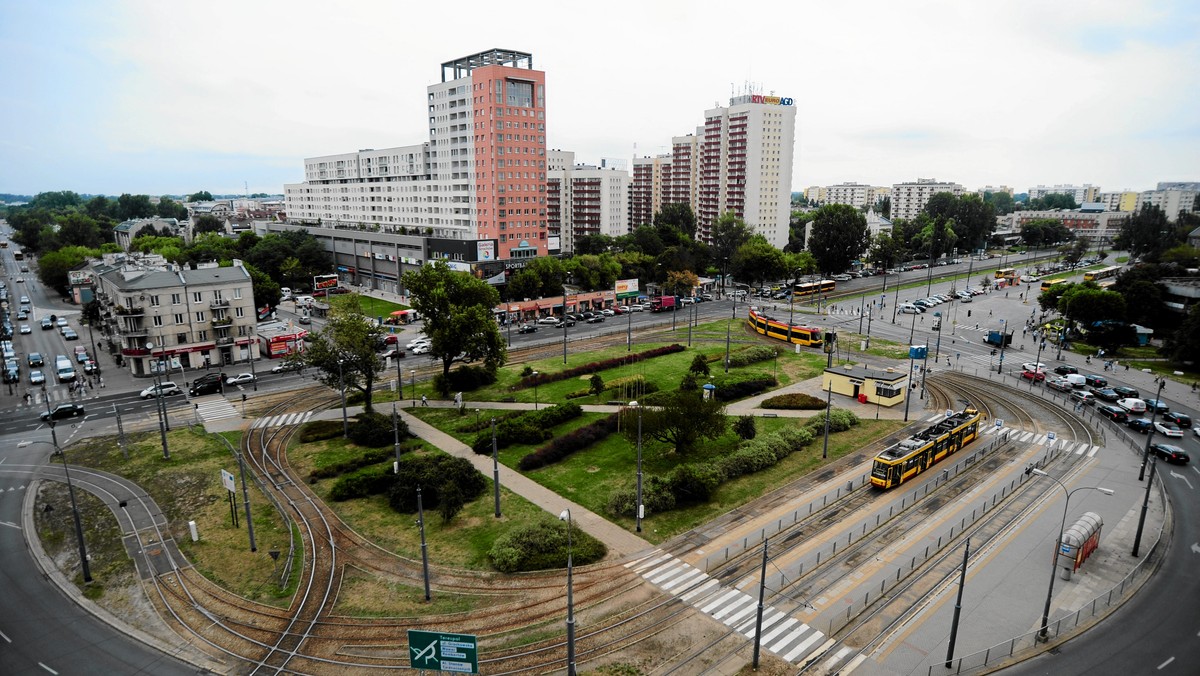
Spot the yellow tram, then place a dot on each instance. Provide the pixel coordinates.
(771, 328)
(906, 459)
(822, 287)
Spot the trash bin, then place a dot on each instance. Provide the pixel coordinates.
(862, 398)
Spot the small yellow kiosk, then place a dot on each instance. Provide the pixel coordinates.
(867, 385)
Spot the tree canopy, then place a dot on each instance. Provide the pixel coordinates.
(839, 236)
(350, 338)
(683, 418)
(458, 315)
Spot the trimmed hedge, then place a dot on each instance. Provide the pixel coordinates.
(637, 381)
(529, 428)
(576, 440)
(840, 420)
(464, 379)
(528, 380)
(320, 430)
(751, 355)
(794, 401)
(543, 545)
(372, 457)
(732, 388)
(433, 474)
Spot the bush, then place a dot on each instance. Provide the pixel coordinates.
(374, 430)
(372, 457)
(450, 501)
(473, 425)
(360, 484)
(732, 388)
(430, 473)
(840, 420)
(529, 380)
(543, 545)
(576, 440)
(466, 378)
(529, 428)
(656, 498)
(699, 366)
(744, 427)
(794, 401)
(693, 484)
(320, 430)
(751, 355)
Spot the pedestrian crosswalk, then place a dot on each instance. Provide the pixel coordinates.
(214, 407)
(283, 420)
(1027, 437)
(783, 635)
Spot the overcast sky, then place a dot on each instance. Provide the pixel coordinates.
(176, 96)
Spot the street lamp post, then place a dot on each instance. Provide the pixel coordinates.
(250, 355)
(495, 469)
(566, 516)
(639, 466)
(342, 387)
(396, 435)
(535, 390)
(1150, 432)
(1003, 344)
(564, 320)
(159, 407)
(908, 381)
(413, 374)
(83, 557)
(1058, 545)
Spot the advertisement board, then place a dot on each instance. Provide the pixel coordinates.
(325, 281)
(627, 288)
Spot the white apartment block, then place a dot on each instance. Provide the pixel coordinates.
(1096, 227)
(648, 187)
(994, 189)
(856, 195)
(585, 199)
(481, 176)
(1172, 202)
(908, 199)
(1080, 193)
(1125, 200)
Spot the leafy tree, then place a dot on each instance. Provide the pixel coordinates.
(208, 223)
(884, 206)
(458, 315)
(596, 384)
(169, 208)
(699, 365)
(76, 229)
(170, 248)
(681, 282)
(682, 419)
(1048, 300)
(886, 250)
(266, 289)
(839, 235)
(1145, 234)
(1112, 335)
(678, 218)
(1037, 232)
(1052, 201)
(798, 225)
(202, 196)
(1184, 344)
(1088, 304)
(644, 239)
(1183, 255)
(54, 265)
(593, 244)
(1144, 296)
(1002, 202)
(744, 427)
(728, 233)
(61, 200)
(351, 338)
(757, 261)
(130, 207)
(591, 272)
(1073, 253)
(99, 206)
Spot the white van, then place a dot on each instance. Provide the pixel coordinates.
(1133, 405)
(285, 291)
(64, 368)
(1076, 380)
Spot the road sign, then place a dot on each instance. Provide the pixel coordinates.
(1051, 436)
(443, 651)
(999, 422)
(227, 481)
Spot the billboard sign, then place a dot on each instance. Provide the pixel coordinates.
(325, 281)
(627, 288)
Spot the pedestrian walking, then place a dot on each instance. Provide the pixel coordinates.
(424, 401)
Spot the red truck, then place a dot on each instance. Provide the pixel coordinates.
(661, 303)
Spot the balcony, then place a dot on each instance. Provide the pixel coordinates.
(218, 302)
(130, 311)
(222, 321)
(225, 340)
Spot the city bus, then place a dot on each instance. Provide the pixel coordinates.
(1102, 273)
(1005, 273)
(1048, 284)
(18, 255)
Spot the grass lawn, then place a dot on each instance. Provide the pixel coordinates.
(377, 307)
(188, 487)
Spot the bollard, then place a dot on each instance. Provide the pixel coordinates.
(192, 529)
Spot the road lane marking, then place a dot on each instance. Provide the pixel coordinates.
(47, 668)
(1166, 663)
(5, 637)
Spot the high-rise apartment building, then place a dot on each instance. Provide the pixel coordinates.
(480, 178)
(856, 195)
(740, 160)
(908, 199)
(650, 182)
(1125, 200)
(1172, 202)
(585, 199)
(1080, 193)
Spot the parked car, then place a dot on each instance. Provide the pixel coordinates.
(422, 348)
(549, 321)
(608, 312)
(1060, 384)
(1113, 413)
(63, 411)
(1035, 376)
(1132, 405)
(562, 324)
(288, 366)
(1181, 419)
(240, 378)
(69, 334)
(636, 308)
(167, 388)
(1065, 370)
(1106, 393)
(1156, 405)
(1168, 429)
(417, 341)
(1127, 392)
(910, 309)
(841, 278)
(596, 318)
(1140, 425)
(525, 328)
(1085, 398)
(1170, 453)
(391, 353)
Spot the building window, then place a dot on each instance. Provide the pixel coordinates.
(178, 318)
(176, 299)
(199, 316)
(888, 390)
(180, 338)
(203, 335)
(196, 297)
(237, 293)
(157, 321)
(153, 301)
(239, 312)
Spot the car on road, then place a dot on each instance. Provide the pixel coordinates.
(1033, 366)
(636, 308)
(69, 334)
(36, 377)
(1140, 425)
(1113, 413)
(47, 324)
(23, 314)
(422, 348)
(417, 341)
(25, 300)
(549, 321)
(1035, 376)
(527, 328)
(392, 353)
(1132, 405)
(1181, 419)
(288, 366)
(305, 319)
(1170, 453)
(63, 411)
(61, 322)
(1156, 405)
(1127, 392)
(1094, 380)
(564, 323)
(706, 296)
(1065, 370)
(25, 329)
(841, 278)
(1085, 398)
(90, 366)
(1106, 393)
(35, 359)
(166, 389)
(608, 312)
(910, 309)
(1060, 384)
(1168, 429)
(595, 318)
(240, 378)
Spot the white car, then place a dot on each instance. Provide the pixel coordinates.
(239, 379)
(841, 278)
(422, 348)
(1031, 366)
(910, 309)
(1168, 429)
(1132, 405)
(549, 321)
(418, 341)
(287, 366)
(167, 388)
(25, 328)
(636, 308)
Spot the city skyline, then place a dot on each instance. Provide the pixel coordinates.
(147, 98)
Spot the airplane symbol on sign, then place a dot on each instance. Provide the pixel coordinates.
(428, 653)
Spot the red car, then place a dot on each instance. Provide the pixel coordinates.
(1036, 376)
(319, 293)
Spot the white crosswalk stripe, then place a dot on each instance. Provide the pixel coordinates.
(214, 407)
(283, 420)
(783, 635)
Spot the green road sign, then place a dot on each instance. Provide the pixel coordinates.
(443, 651)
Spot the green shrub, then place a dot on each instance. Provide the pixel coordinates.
(371, 457)
(744, 427)
(542, 545)
(732, 388)
(531, 427)
(840, 420)
(364, 482)
(467, 378)
(693, 484)
(430, 473)
(320, 430)
(656, 497)
(699, 365)
(374, 430)
(563, 446)
(794, 401)
(751, 355)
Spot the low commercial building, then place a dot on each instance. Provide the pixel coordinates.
(867, 385)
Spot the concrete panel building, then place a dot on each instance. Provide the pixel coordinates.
(908, 199)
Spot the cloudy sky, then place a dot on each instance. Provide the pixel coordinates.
(172, 97)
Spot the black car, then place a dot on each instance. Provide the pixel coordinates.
(35, 359)
(563, 323)
(1181, 419)
(595, 319)
(527, 328)
(1065, 370)
(1170, 453)
(47, 324)
(63, 411)
(1106, 393)
(1142, 425)
(1094, 380)
(1113, 413)
(1127, 392)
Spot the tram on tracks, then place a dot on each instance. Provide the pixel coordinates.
(1048, 284)
(908, 458)
(772, 328)
(1102, 273)
(824, 286)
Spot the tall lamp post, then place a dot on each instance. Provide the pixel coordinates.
(83, 557)
(534, 375)
(1058, 545)
(342, 387)
(566, 516)
(413, 374)
(250, 355)
(564, 318)
(159, 406)
(1150, 432)
(639, 466)
(1003, 344)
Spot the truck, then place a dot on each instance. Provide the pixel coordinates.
(662, 303)
(998, 338)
